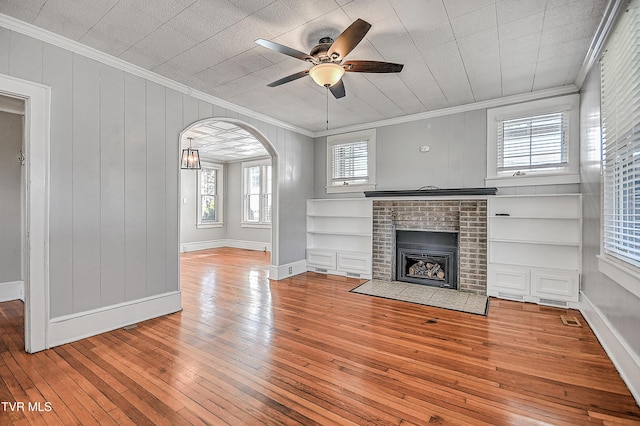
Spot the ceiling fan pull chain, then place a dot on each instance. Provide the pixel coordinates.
(327, 108)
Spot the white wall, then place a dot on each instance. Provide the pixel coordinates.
(232, 233)
(10, 198)
(114, 176)
(619, 308)
(457, 157)
(233, 210)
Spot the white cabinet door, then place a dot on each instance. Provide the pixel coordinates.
(321, 258)
(354, 262)
(508, 280)
(555, 284)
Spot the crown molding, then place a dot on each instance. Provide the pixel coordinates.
(41, 34)
(492, 103)
(612, 12)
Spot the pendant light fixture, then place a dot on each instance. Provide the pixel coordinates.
(190, 158)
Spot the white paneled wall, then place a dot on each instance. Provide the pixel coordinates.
(114, 177)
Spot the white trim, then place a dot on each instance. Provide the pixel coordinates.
(248, 245)
(610, 17)
(201, 245)
(492, 103)
(620, 273)
(220, 195)
(12, 290)
(625, 360)
(241, 244)
(368, 135)
(255, 225)
(76, 47)
(569, 103)
(282, 271)
(532, 179)
(70, 328)
(36, 128)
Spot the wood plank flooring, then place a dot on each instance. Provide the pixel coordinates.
(247, 351)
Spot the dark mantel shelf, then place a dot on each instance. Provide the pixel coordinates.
(432, 192)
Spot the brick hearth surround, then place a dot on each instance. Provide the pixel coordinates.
(467, 217)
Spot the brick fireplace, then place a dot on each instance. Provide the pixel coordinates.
(468, 218)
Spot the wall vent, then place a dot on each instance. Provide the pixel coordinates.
(516, 297)
(322, 270)
(353, 274)
(551, 302)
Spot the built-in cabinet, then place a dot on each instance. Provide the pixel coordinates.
(339, 233)
(534, 248)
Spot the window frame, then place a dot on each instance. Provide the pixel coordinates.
(261, 223)
(619, 153)
(568, 104)
(219, 168)
(365, 135)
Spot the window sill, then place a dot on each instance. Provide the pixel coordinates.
(532, 179)
(620, 273)
(255, 225)
(350, 188)
(209, 225)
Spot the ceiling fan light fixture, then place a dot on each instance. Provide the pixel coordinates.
(326, 74)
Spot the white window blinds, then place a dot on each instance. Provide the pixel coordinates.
(620, 115)
(350, 163)
(533, 143)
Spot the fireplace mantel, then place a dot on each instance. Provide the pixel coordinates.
(433, 192)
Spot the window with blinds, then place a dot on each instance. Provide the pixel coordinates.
(620, 116)
(533, 143)
(351, 161)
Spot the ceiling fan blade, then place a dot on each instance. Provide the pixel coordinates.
(371, 66)
(284, 49)
(349, 39)
(289, 78)
(338, 89)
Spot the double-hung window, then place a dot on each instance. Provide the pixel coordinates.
(256, 177)
(620, 115)
(351, 162)
(209, 193)
(534, 143)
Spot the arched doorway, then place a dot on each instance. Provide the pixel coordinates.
(251, 144)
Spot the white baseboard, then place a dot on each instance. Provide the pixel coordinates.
(625, 360)
(281, 272)
(241, 244)
(249, 245)
(70, 328)
(13, 290)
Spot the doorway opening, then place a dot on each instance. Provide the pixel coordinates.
(233, 200)
(34, 216)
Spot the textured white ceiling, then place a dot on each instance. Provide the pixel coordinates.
(220, 141)
(455, 52)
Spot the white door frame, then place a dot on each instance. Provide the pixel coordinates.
(37, 100)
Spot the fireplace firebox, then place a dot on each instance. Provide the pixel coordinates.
(428, 258)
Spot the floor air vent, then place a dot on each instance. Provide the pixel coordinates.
(321, 270)
(551, 302)
(353, 274)
(508, 296)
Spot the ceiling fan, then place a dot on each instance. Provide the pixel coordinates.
(327, 59)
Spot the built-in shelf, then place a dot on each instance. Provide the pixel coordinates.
(339, 236)
(535, 248)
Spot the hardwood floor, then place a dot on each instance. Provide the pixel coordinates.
(306, 351)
